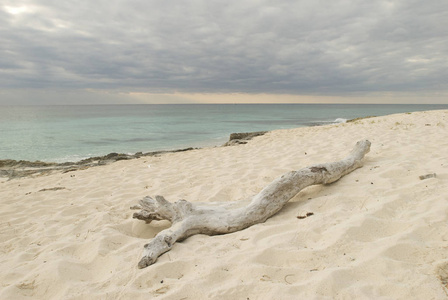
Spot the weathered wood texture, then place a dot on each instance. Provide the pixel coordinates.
(219, 218)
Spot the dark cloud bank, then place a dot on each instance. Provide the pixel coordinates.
(286, 47)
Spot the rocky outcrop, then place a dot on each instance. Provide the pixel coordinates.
(22, 168)
(242, 137)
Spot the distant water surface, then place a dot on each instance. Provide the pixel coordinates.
(71, 133)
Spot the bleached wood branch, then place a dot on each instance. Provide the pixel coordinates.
(217, 218)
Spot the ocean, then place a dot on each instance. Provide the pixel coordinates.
(72, 133)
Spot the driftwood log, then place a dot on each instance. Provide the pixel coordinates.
(219, 218)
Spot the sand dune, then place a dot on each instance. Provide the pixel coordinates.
(378, 233)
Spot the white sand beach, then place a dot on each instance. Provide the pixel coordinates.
(380, 232)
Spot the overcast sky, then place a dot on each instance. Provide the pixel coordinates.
(141, 51)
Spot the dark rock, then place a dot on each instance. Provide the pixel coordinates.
(245, 135)
(10, 163)
(242, 137)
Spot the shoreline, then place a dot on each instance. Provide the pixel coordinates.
(22, 168)
(64, 135)
(12, 169)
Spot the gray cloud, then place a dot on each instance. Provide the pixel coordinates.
(296, 47)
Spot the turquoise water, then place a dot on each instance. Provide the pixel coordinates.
(72, 133)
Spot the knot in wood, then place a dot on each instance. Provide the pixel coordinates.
(318, 169)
